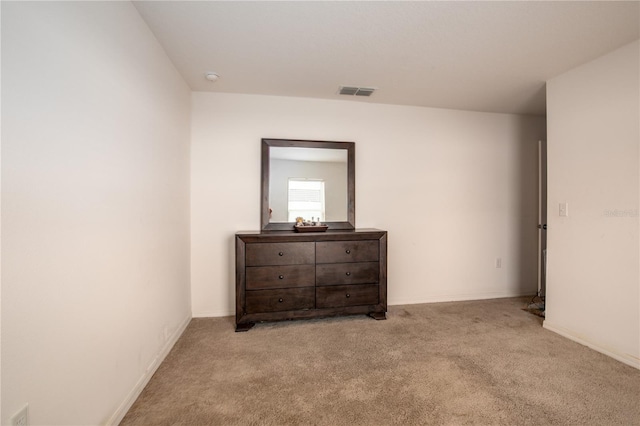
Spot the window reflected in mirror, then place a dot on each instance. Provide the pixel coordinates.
(306, 199)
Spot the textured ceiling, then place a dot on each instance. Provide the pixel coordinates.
(479, 56)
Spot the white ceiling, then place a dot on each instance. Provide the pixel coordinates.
(479, 56)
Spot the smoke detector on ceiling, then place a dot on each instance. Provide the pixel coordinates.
(212, 76)
(356, 91)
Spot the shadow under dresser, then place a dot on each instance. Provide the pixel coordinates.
(287, 275)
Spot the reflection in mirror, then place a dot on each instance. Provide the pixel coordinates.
(309, 179)
(309, 183)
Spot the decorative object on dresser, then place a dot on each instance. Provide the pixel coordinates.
(309, 226)
(288, 275)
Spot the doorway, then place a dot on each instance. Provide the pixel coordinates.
(542, 220)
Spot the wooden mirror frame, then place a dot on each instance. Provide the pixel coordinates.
(350, 147)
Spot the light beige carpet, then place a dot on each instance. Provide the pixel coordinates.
(482, 362)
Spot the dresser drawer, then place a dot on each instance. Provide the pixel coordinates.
(347, 273)
(346, 295)
(289, 299)
(263, 254)
(347, 251)
(263, 277)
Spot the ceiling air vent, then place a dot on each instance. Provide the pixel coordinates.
(356, 91)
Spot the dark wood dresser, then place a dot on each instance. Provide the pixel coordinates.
(287, 275)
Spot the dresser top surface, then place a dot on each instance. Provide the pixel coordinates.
(356, 234)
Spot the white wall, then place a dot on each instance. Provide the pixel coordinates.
(454, 189)
(95, 209)
(1, 223)
(593, 164)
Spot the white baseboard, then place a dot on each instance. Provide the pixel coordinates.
(435, 299)
(459, 298)
(124, 407)
(610, 352)
(228, 313)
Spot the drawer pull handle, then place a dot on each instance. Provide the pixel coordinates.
(281, 277)
(348, 295)
(348, 273)
(348, 251)
(281, 254)
(280, 300)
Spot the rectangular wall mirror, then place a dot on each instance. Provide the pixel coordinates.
(309, 179)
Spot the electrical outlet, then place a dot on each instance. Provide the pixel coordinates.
(563, 209)
(21, 418)
(498, 262)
